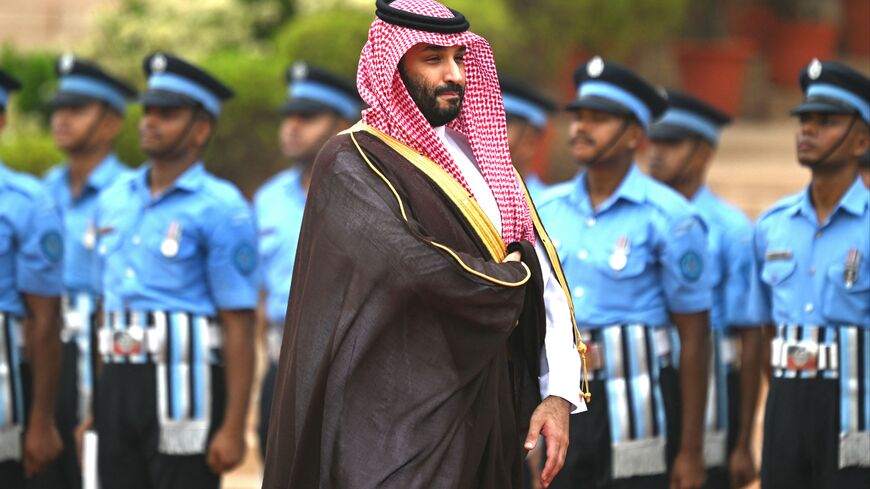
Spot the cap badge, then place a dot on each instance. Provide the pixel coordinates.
(595, 67)
(158, 63)
(299, 71)
(815, 69)
(67, 61)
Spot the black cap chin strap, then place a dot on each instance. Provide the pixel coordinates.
(610, 144)
(684, 165)
(88, 136)
(186, 132)
(840, 142)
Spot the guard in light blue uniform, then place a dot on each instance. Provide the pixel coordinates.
(812, 281)
(528, 114)
(320, 104)
(31, 254)
(87, 115)
(635, 256)
(178, 273)
(684, 143)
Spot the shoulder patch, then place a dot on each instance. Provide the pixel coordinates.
(245, 258)
(691, 265)
(51, 244)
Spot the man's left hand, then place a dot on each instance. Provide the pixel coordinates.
(550, 419)
(226, 450)
(688, 471)
(41, 445)
(742, 467)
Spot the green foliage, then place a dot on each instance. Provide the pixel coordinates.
(331, 39)
(124, 35)
(26, 146)
(36, 73)
(244, 148)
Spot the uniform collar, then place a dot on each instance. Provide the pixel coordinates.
(191, 180)
(702, 196)
(102, 175)
(854, 201)
(632, 188)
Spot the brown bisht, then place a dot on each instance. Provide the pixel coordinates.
(403, 364)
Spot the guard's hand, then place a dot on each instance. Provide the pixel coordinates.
(741, 468)
(515, 256)
(226, 450)
(41, 445)
(83, 427)
(550, 419)
(689, 470)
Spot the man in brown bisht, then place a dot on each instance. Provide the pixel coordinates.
(429, 338)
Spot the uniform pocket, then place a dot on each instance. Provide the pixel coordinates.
(842, 303)
(776, 272)
(169, 263)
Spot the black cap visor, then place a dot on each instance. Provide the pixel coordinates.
(823, 105)
(592, 102)
(164, 98)
(304, 106)
(671, 133)
(72, 99)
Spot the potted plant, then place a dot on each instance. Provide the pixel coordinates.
(712, 64)
(856, 23)
(806, 29)
(753, 20)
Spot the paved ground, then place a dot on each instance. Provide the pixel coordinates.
(754, 168)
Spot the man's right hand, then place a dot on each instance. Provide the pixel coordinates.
(515, 257)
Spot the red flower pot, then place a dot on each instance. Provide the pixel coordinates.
(753, 22)
(715, 70)
(794, 44)
(856, 22)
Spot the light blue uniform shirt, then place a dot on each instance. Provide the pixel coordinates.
(730, 251)
(192, 248)
(803, 273)
(662, 238)
(31, 241)
(535, 187)
(279, 205)
(77, 213)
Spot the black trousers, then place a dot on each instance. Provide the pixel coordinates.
(588, 463)
(127, 424)
(719, 477)
(267, 392)
(64, 472)
(801, 438)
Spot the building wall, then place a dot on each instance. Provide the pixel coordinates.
(41, 24)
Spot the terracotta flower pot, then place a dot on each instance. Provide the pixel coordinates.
(715, 70)
(856, 22)
(752, 22)
(794, 44)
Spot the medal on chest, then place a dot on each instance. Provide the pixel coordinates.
(89, 239)
(172, 241)
(850, 273)
(619, 257)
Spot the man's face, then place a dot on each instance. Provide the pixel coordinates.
(669, 159)
(74, 126)
(302, 135)
(820, 133)
(435, 79)
(165, 132)
(523, 141)
(592, 131)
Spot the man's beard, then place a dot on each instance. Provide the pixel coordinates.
(426, 99)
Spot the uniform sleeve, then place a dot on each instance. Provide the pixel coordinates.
(738, 260)
(560, 363)
(39, 267)
(759, 306)
(232, 259)
(685, 266)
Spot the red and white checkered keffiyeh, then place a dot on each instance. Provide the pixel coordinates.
(481, 119)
